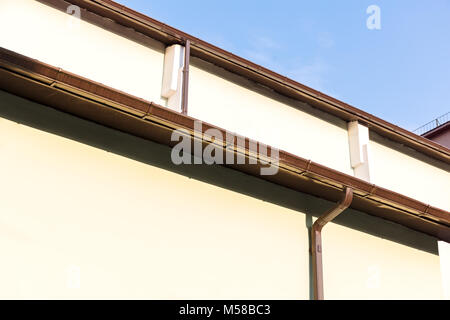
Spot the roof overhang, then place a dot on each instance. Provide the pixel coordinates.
(84, 98)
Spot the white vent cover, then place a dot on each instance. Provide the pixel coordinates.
(173, 76)
(358, 138)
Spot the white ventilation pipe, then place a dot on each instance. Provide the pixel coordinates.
(358, 138)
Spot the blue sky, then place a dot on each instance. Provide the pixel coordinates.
(400, 73)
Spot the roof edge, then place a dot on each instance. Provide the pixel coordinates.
(39, 81)
(152, 28)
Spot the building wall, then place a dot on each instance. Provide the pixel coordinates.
(215, 96)
(89, 212)
(55, 37)
(232, 102)
(229, 101)
(360, 265)
(90, 51)
(403, 170)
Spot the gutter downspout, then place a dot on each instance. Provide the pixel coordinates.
(187, 54)
(316, 240)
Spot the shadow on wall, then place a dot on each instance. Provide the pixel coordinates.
(50, 120)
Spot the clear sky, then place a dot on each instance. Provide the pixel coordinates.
(400, 73)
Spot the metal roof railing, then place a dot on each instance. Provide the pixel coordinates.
(433, 124)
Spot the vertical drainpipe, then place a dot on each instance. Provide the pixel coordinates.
(187, 54)
(316, 240)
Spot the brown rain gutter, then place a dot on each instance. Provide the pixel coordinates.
(187, 54)
(316, 240)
